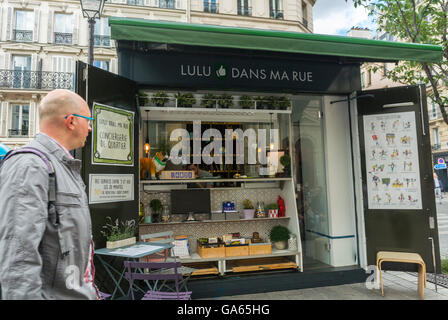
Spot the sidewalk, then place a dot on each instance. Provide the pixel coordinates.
(397, 286)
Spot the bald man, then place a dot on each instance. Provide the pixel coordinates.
(46, 251)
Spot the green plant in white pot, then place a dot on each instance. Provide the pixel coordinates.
(279, 236)
(119, 234)
(249, 209)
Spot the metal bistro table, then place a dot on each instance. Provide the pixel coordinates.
(132, 253)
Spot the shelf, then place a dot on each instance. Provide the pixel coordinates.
(275, 253)
(215, 111)
(212, 180)
(211, 221)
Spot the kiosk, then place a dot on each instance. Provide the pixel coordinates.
(359, 179)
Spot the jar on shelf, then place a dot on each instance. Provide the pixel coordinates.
(259, 212)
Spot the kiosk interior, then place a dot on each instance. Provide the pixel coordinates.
(276, 118)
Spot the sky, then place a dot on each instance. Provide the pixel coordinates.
(336, 17)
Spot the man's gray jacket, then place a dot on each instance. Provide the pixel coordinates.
(37, 259)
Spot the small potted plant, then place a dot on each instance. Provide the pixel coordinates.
(185, 100)
(283, 103)
(248, 210)
(225, 101)
(119, 234)
(208, 100)
(279, 236)
(285, 161)
(272, 210)
(159, 98)
(246, 102)
(142, 98)
(156, 208)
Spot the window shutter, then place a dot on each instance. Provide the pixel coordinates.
(36, 25)
(50, 26)
(8, 64)
(75, 22)
(9, 25)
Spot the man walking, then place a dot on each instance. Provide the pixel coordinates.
(46, 250)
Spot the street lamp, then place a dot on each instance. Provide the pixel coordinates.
(91, 9)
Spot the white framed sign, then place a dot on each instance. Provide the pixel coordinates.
(111, 188)
(392, 161)
(112, 136)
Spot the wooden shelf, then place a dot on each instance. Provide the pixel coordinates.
(275, 253)
(211, 221)
(212, 180)
(215, 111)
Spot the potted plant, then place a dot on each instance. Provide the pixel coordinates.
(142, 98)
(283, 103)
(279, 236)
(260, 102)
(186, 100)
(225, 101)
(285, 161)
(246, 102)
(119, 234)
(159, 98)
(248, 210)
(208, 100)
(272, 210)
(156, 208)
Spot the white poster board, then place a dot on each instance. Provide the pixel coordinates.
(392, 166)
(111, 188)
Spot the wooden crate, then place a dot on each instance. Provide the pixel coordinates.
(212, 252)
(237, 251)
(259, 248)
(262, 264)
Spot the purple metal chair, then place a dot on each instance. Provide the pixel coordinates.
(103, 296)
(154, 273)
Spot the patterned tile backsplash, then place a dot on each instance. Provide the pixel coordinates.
(212, 229)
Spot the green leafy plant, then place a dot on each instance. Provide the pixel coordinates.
(159, 98)
(225, 101)
(279, 233)
(247, 204)
(142, 98)
(156, 205)
(285, 161)
(115, 231)
(185, 100)
(261, 102)
(208, 100)
(444, 266)
(272, 206)
(282, 103)
(246, 102)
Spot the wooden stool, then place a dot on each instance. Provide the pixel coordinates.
(405, 257)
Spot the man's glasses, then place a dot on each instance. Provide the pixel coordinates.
(90, 120)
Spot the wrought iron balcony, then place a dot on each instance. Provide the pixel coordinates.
(16, 133)
(167, 4)
(101, 41)
(436, 146)
(245, 11)
(276, 14)
(17, 79)
(211, 6)
(63, 38)
(23, 35)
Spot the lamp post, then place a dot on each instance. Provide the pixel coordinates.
(91, 9)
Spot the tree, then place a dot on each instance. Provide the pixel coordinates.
(423, 21)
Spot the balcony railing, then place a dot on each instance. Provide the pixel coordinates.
(245, 11)
(15, 133)
(23, 35)
(276, 14)
(435, 146)
(211, 6)
(63, 38)
(17, 79)
(101, 41)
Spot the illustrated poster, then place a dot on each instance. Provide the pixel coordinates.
(392, 166)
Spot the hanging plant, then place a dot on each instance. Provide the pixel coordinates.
(159, 98)
(208, 100)
(225, 101)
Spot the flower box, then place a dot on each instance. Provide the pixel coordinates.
(120, 243)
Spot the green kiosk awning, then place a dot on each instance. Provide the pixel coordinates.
(256, 39)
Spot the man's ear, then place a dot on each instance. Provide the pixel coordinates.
(69, 123)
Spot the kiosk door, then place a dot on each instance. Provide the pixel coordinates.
(111, 172)
(398, 186)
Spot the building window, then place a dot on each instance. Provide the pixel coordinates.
(275, 9)
(435, 139)
(136, 2)
(63, 29)
(102, 64)
(167, 4)
(211, 6)
(19, 120)
(243, 8)
(101, 36)
(304, 14)
(434, 111)
(24, 26)
(21, 71)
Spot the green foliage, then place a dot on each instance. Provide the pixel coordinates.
(185, 100)
(225, 101)
(444, 263)
(246, 102)
(208, 100)
(156, 205)
(279, 233)
(115, 231)
(285, 160)
(247, 204)
(159, 98)
(142, 98)
(272, 206)
(424, 22)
